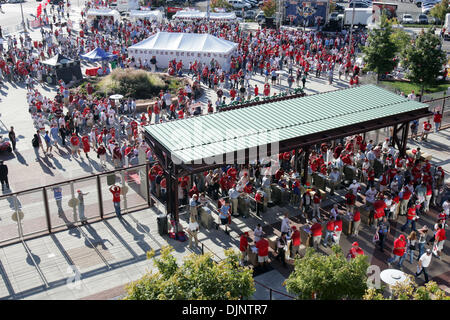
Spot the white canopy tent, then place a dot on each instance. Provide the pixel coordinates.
(153, 15)
(199, 15)
(103, 12)
(187, 47)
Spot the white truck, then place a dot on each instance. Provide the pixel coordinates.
(362, 16)
(125, 5)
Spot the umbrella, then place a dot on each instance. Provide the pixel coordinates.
(116, 97)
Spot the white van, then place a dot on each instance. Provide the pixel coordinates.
(239, 4)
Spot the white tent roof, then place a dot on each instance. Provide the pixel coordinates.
(195, 14)
(138, 14)
(187, 42)
(104, 12)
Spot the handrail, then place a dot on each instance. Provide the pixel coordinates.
(276, 291)
(76, 179)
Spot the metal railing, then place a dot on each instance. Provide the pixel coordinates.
(56, 207)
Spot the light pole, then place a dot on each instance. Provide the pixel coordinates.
(351, 28)
(23, 20)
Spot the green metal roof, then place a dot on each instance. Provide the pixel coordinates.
(214, 134)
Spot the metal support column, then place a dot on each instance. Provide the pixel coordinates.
(404, 142)
(47, 210)
(100, 197)
(305, 164)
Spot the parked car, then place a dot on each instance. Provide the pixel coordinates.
(407, 19)
(249, 14)
(238, 13)
(339, 7)
(360, 4)
(260, 17)
(253, 3)
(239, 4)
(422, 19)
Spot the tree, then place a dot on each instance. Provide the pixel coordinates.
(424, 59)
(269, 8)
(409, 290)
(440, 10)
(328, 277)
(221, 4)
(198, 278)
(380, 53)
(401, 38)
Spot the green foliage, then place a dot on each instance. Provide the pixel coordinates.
(401, 38)
(330, 277)
(424, 59)
(221, 4)
(198, 278)
(440, 10)
(136, 83)
(409, 290)
(269, 8)
(380, 53)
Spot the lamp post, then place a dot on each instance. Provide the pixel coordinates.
(351, 28)
(23, 20)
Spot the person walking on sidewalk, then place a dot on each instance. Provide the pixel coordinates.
(12, 138)
(423, 264)
(193, 231)
(81, 206)
(4, 175)
(399, 251)
(57, 193)
(115, 190)
(101, 154)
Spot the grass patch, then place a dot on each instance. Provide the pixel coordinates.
(407, 87)
(416, 25)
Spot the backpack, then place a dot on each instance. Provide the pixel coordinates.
(35, 142)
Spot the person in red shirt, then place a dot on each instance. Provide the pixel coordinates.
(356, 222)
(316, 203)
(259, 202)
(350, 200)
(256, 90)
(329, 231)
(439, 239)
(437, 121)
(379, 206)
(426, 130)
(405, 200)
(86, 145)
(411, 217)
(295, 242)
(263, 251)
(115, 190)
(355, 251)
(316, 230)
(338, 229)
(399, 251)
(75, 142)
(243, 246)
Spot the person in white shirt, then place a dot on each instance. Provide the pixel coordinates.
(370, 195)
(355, 187)
(334, 211)
(234, 196)
(423, 264)
(446, 207)
(193, 231)
(285, 227)
(258, 232)
(335, 179)
(265, 184)
(412, 96)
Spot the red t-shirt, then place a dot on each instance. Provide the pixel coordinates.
(338, 225)
(350, 198)
(330, 225)
(356, 216)
(440, 235)
(379, 207)
(243, 243)
(316, 198)
(263, 247)
(316, 229)
(411, 213)
(296, 240)
(399, 247)
(116, 194)
(74, 140)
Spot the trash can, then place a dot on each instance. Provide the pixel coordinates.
(163, 228)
